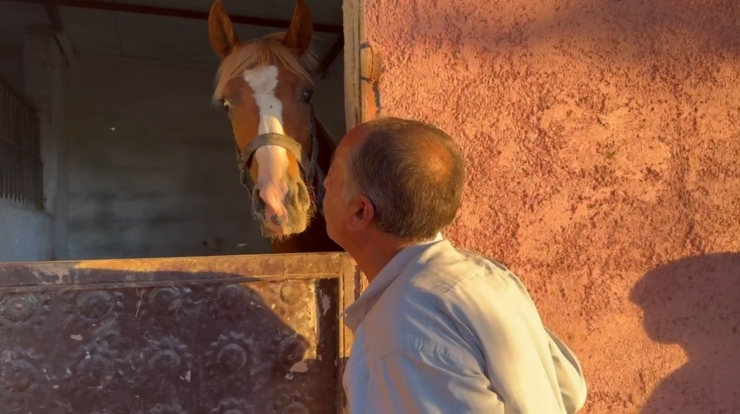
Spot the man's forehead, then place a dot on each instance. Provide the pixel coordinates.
(350, 142)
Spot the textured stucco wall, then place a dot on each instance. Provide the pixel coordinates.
(604, 152)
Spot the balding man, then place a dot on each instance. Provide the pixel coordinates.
(438, 330)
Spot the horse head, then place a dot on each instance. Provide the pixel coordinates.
(265, 87)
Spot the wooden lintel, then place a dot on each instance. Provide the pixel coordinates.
(188, 14)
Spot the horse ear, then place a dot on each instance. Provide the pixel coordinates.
(300, 32)
(220, 30)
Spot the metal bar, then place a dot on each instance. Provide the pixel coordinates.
(39, 170)
(19, 145)
(6, 134)
(13, 123)
(23, 161)
(29, 164)
(4, 156)
(188, 14)
(174, 270)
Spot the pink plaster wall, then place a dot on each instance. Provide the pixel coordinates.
(603, 141)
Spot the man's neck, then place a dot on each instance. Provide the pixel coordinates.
(375, 254)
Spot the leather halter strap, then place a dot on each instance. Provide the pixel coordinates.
(309, 166)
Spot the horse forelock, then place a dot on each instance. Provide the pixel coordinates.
(268, 50)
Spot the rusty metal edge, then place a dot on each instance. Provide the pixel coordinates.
(159, 283)
(349, 290)
(218, 269)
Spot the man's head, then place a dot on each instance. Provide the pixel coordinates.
(395, 177)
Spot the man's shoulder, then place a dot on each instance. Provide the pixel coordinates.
(450, 270)
(419, 311)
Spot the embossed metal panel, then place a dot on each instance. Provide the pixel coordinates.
(217, 335)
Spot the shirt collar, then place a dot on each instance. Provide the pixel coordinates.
(355, 313)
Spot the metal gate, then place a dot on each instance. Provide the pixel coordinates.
(214, 335)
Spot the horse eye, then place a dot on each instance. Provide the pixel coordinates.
(225, 105)
(307, 94)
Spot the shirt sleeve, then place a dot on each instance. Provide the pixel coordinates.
(570, 376)
(415, 382)
(528, 367)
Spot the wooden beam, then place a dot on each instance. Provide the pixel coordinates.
(362, 68)
(54, 17)
(188, 14)
(336, 48)
(60, 36)
(68, 50)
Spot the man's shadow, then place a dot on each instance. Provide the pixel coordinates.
(695, 303)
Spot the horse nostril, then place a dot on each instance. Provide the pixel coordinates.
(276, 220)
(258, 204)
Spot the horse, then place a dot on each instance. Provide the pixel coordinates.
(283, 153)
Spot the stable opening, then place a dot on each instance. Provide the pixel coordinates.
(145, 165)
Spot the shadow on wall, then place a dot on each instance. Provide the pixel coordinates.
(695, 303)
(712, 24)
(694, 26)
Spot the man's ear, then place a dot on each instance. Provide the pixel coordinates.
(362, 214)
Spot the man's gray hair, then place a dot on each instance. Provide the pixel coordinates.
(412, 172)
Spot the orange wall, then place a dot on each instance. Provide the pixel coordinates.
(603, 141)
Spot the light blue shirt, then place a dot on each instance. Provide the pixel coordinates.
(440, 330)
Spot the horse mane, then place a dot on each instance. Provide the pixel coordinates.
(268, 50)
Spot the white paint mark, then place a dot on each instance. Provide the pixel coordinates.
(76, 337)
(272, 160)
(55, 386)
(301, 366)
(186, 377)
(141, 297)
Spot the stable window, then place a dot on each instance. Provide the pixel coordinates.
(20, 162)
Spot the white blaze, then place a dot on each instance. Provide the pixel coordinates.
(272, 160)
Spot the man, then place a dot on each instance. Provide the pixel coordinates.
(438, 330)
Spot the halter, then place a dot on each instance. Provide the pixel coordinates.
(309, 166)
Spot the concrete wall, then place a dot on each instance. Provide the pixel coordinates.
(45, 84)
(604, 169)
(152, 165)
(25, 233)
(11, 69)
